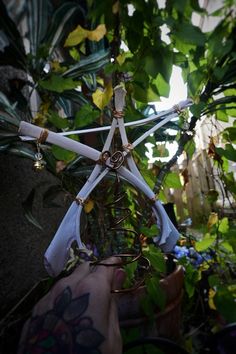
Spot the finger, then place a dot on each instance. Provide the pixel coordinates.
(118, 278)
(108, 272)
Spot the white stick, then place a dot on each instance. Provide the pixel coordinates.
(153, 117)
(53, 138)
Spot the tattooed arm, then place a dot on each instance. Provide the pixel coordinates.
(79, 315)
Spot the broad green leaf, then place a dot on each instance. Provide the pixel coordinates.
(58, 84)
(190, 148)
(222, 116)
(180, 5)
(162, 86)
(189, 34)
(76, 37)
(223, 225)
(74, 54)
(172, 180)
(165, 62)
(145, 94)
(197, 108)
(156, 258)
(56, 120)
(229, 134)
(230, 236)
(155, 292)
(86, 115)
(102, 98)
(150, 231)
(195, 82)
(191, 278)
(205, 243)
(130, 273)
(62, 154)
(151, 66)
(227, 246)
(162, 196)
(229, 152)
(79, 34)
(224, 301)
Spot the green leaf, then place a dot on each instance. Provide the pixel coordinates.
(130, 273)
(191, 278)
(156, 258)
(229, 152)
(151, 65)
(229, 134)
(195, 82)
(222, 116)
(205, 243)
(155, 292)
(145, 94)
(74, 54)
(150, 231)
(230, 236)
(165, 62)
(189, 34)
(62, 154)
(190, 148)
(58, 84)
(172, 180)
(27, 206)
(86, 115)
(224, 301)
(214, 280)
(223, 225)
(197, 108)
(57, 121)
(162, 86)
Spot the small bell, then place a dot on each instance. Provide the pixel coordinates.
(38, 164)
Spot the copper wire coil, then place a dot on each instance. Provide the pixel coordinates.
(122, 263)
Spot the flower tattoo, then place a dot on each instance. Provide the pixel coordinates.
(64, 329)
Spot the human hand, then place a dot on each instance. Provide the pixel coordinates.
(79, 314)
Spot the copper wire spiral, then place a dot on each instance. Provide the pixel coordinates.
(116, 226)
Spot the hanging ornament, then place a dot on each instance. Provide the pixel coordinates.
(39, 163)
